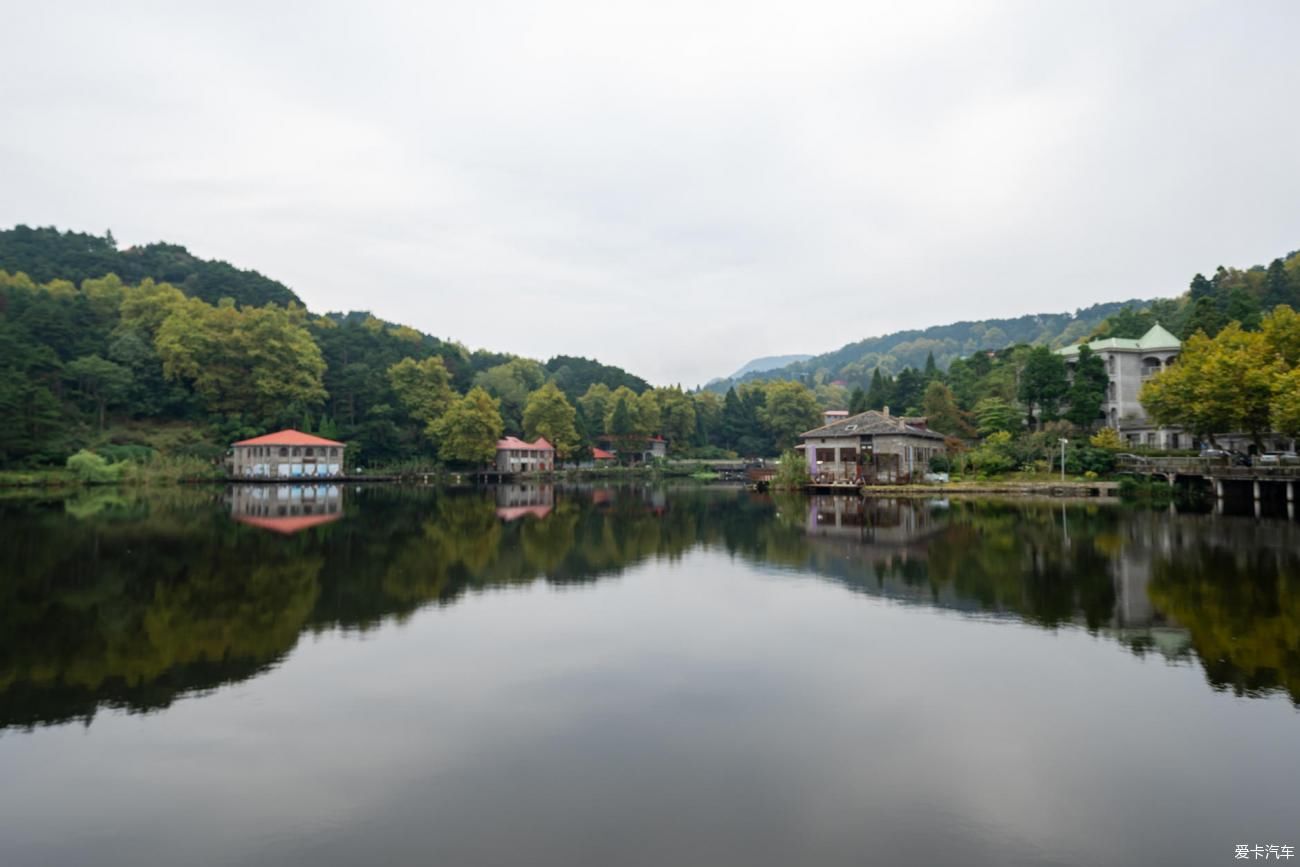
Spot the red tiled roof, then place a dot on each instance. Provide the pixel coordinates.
(288, 437)
(287, 525)
(601, 455)
(540, 444)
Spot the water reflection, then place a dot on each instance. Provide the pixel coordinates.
(285, 509)
(121, 600)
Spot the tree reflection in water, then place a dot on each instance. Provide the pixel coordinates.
(126, 600)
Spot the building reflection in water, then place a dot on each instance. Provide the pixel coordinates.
(520, 500)
(285, 509)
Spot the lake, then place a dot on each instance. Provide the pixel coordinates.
(641, 676)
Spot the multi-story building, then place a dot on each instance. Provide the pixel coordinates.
(517, 456)
(286, 454)
(1130, 363)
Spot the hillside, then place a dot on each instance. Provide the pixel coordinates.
(893, 352)
(99, 348)
(766, 363)
(46, 254)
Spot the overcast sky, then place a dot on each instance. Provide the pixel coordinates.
(672, 187)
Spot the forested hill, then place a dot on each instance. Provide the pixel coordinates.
(855, 363)
(46, 254)
(135, 365)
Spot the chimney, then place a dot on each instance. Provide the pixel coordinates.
(886, 411)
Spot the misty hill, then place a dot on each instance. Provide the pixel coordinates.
(46, 254)
(892, 352)
(766, 363)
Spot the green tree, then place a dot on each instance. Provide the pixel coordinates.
(622, 427)
(423, 388)
(649, 418)
(101, 381)
(857, 401)
(942, 413)
(1220, 384)
(993, 414)
(1043, 383)
(626, 396)
(789, 410)
(595, 404)
(511, 383)
(468, 431)
(791, 472)
(1204, 317)
(878, 392)
(1088, 390)
(677, 418)
(549, 414)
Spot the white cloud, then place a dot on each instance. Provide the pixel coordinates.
(671, 187)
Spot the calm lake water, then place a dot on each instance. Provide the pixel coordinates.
(598, 676)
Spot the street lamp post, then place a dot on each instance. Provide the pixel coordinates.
(1064, 442)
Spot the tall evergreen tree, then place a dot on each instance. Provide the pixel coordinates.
(1043, 383)
(1200, 288)
(857, 401)
(878, 392)
(1088, 389)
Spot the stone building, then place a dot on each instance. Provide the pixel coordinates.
(871, 447)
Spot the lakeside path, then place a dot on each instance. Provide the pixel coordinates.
(1107, 490)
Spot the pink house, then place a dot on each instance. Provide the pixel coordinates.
(517, 456)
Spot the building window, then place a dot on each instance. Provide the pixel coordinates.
(297, 452)
(309, 452)
(284, 452)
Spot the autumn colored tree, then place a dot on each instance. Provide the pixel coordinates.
(1219, 384)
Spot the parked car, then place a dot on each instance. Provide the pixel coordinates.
(1274, 459)
(1136, 459)
(1219, 454)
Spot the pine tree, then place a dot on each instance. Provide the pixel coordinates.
(1200, 288)
(857, 401)
(878, 392)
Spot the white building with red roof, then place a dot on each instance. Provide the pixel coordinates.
(517, 456)
(286, 454)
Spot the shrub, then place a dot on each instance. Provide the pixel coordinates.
(791, 472)
(1106, 438)
(128, 452)
(92, 469)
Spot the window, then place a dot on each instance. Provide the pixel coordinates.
(297, 452)
(284, 452)
(309, 452)
(334, 452)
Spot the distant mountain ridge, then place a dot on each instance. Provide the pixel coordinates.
(855, 362)
(766, 363)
